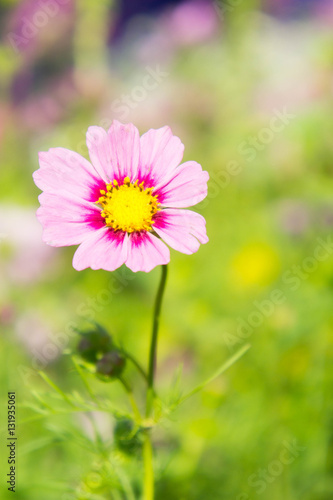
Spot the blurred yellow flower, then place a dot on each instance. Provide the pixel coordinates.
(256, 264)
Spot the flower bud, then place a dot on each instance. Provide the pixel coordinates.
(126, 437)
(93, 344)
(111, 364)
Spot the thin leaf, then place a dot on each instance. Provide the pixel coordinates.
(39, 398)
(84, 380)
(56, 388)
(218, 372)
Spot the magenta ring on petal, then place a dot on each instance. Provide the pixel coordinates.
(121, 206)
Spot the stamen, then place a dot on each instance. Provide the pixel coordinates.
(127, 208)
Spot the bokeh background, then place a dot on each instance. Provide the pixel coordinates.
(247, 85)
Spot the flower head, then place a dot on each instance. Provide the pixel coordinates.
(119, 207)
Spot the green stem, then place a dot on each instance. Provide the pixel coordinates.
(149, 469)
(135, 363)
(153, 345)
(131, 398)
(147, 447)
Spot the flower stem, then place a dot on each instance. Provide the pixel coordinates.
(153, 345)
(149, 469)
(129, 391)
(147, 447)
(135, 363)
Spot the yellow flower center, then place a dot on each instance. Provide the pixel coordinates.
(129, 207)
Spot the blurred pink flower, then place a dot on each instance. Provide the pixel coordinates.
(4, 118)
(193, 21)
(35, 24)
(157, 36)
(35, 335)
(117, 207)
(40, 111)
(294, 217)
(26, 258)
(324, 11)
(41, 87)
(7, 314)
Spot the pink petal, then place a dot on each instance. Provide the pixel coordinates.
(114, 154)
(99, 147)
(182, 230)
(104, 249)
(187, 187)
(125, 149)
(66, 171)
(161, 152)
(67, 220)
(145, 252)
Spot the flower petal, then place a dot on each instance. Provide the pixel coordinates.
(67, 220)
(182, 230)
(99, 147)
(161, 153)
(145, 252)
(104, 249)
(66, 171)
(187, 187)
(125, 149)
(114, 154)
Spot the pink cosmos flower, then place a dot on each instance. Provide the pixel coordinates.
(119, 206)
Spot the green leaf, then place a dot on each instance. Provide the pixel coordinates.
(56, 388)
(83, 377)
(218, 372)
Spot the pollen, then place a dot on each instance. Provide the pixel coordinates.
(128, 206)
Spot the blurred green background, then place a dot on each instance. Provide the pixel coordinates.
(247, 86)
